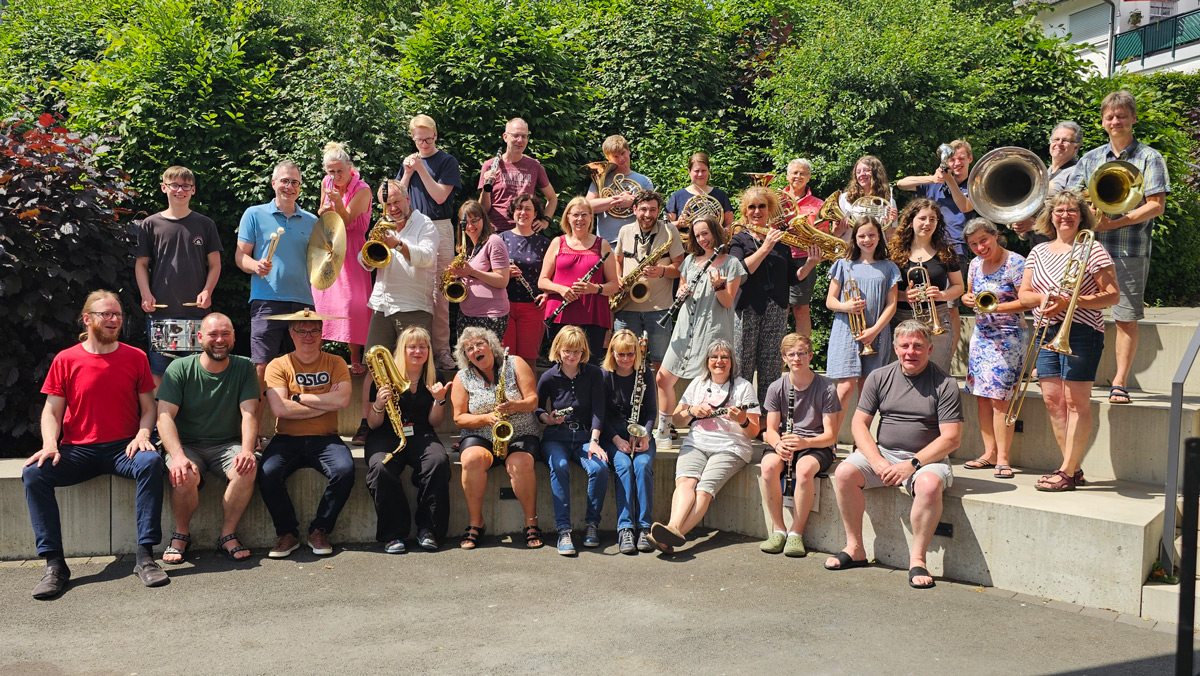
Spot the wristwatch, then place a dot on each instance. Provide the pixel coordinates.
(915, 463)
(296, 398)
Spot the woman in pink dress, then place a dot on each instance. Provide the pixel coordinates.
(567, 262)
(344, 192)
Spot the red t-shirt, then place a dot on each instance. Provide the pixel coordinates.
(101, 392)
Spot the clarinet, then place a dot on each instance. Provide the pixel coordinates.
(499, 154)
(789, 482)
(680, 299)
(550, 320)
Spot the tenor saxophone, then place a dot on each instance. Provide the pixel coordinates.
(635, 289)
(502, 429)
(383, 369)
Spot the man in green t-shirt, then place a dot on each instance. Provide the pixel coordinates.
(208, 421)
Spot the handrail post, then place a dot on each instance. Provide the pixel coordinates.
(1187, 570)
(1171, 487)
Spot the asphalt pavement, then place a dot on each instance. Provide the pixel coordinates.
(718, 606)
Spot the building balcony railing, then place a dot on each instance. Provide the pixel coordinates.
(1157, 37)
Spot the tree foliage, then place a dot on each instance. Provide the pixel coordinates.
(61, 238)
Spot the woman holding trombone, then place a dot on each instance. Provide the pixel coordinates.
(1071, 264)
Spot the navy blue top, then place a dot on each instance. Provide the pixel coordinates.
(527, 254)
(444, 169)
(585, 392)
(620, 395)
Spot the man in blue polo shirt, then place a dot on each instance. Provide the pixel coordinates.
(279, 285)
(431, 176)
(1126, 237)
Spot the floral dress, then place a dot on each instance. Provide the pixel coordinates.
(998, 340)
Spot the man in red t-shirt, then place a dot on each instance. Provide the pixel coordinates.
(512, 173)
(97, 420)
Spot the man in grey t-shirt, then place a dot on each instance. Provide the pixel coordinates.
(920, 426)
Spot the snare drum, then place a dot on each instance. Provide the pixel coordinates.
(175, 335)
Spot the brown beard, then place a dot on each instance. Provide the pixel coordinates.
(208, 351)
(102, 335)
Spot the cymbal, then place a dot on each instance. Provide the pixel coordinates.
(304, 315)
(326, 250)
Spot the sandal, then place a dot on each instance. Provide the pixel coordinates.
(1079, 480)
(470, 539)
(979, 463)
(186, 539)
(357, 370)
(1056, 482)
(1003, 472)
(533, 537)
(1118, 395)
(231, 554)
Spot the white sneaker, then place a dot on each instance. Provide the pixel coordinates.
(662, 442)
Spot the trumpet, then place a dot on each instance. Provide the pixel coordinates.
(636, 429)
(275, 237)
(858, 320)
(926, 309)
(1071, 281)
(635, 289)
(502, 429)
(383, 369)
(453, 288)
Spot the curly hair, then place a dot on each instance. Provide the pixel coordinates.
(879, 181)
(900, 245)
(469, 335)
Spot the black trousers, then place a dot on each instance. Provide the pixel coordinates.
(431, 476)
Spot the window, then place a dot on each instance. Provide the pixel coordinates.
(1089, 24)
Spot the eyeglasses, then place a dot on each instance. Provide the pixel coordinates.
(1063, 141)
(289, 182)
(423, 141)
(720, 357)
(1066, 212)
(756, 206)
(108, 315)
(624, 355)
(179, 186)
(797, 355)
(307, 333)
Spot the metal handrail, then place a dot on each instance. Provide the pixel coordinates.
(1174, 443)
(1152, 38)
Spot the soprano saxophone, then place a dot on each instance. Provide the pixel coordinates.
(635, 289)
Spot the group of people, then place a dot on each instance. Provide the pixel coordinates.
(617, 349)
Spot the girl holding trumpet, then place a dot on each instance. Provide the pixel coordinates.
(929, 274)
(862, 285)
(997, 341)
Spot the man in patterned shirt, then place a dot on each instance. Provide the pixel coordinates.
(1126, 236)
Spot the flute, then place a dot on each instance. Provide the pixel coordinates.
(681, 298)
(558, 311)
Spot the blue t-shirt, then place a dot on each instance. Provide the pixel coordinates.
(288, 279)
(955, 219)
(607, 225)
(444, 169)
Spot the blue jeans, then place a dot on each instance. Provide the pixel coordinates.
(657, 337)
(635, 485)
(560, 447)
(286, 454)
(81, 463)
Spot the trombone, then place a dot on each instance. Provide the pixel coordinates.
(858, 320)
(926, 309)
(1071, 281)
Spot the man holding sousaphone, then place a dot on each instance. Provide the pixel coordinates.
(1127, 181)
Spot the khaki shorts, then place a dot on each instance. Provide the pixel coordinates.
(217, 459)
(711, 468)
(1131, 281)
(941, 469)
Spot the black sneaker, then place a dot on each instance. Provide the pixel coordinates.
(360, 436)
(625, 541)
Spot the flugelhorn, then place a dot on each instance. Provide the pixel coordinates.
(383, 369)
(1008, 185)
(926, 309)
(858, 320)
(1071, 281)
(1115, 187)
(453, 288)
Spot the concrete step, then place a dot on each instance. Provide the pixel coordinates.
(1179, 551)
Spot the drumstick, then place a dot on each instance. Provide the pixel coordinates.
(271, 247)
(160, 305)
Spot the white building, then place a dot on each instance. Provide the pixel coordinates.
(1139, 35)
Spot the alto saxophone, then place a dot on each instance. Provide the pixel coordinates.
(453, 288)
(502, 430)
(635, 289)
(383, 369)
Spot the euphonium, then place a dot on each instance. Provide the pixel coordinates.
(858, 320)
(383, 369)
(502, 430)
(620, 183)
(636, 429)
(926, 309)
(1008, 185)
(1071, 280)
(453, 288)
(634, 289)
(1115, 187)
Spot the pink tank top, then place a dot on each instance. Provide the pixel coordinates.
(569, 266)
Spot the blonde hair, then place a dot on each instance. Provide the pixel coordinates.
(757, 192)
(1045, 226)
(962, 143)
(578, 201)
(791, 340)
(89, 303)
(623, 340)
(394, 187)
(569, 338)
(422, 122)
(336, 152)
(614, 144)
(407, 337)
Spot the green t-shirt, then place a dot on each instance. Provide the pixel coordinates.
(208, 403)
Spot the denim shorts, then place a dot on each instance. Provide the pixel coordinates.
(657, 337)
(1087, 344)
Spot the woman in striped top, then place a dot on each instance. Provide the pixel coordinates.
(1066, 382)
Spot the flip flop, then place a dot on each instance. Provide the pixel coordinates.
(1118, 391)
(918, 571)
(979, 463)
(1003, 472)
(846, 563)
(666, 535)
